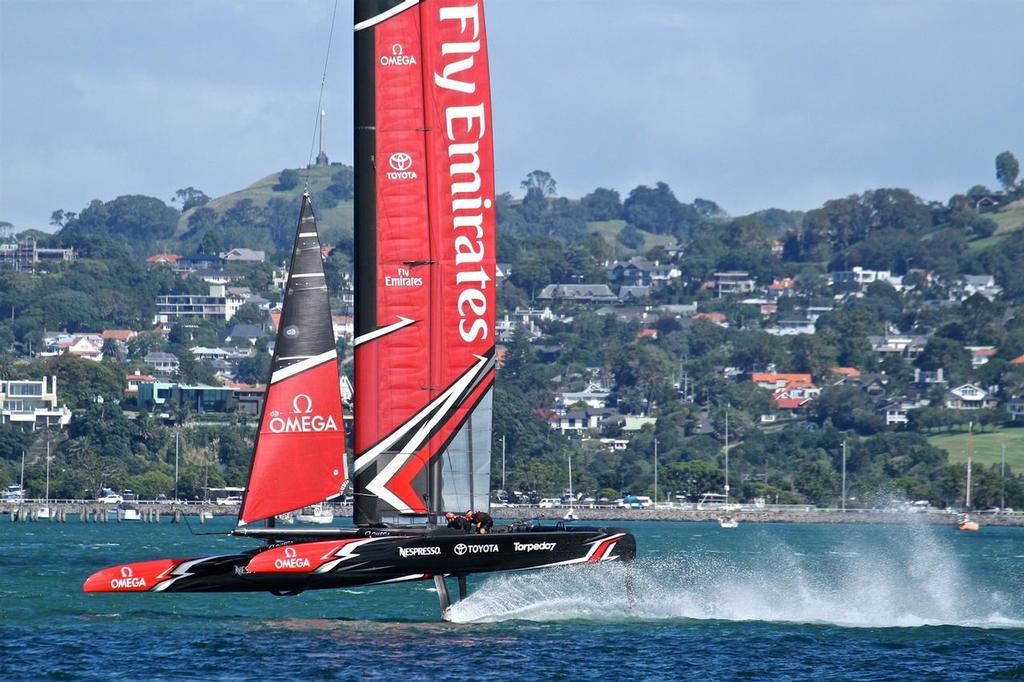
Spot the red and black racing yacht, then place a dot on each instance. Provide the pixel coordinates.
(424, 348)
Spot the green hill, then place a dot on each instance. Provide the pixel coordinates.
(334, 217)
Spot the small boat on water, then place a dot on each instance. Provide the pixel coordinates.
(317, 513)
(964, 521)
(728, 522)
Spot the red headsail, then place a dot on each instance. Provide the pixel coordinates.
(300, 448)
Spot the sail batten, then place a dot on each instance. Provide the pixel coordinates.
(300, 447)
(424, 257)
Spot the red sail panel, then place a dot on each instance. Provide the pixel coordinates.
(300, 450)
(392, 379)
(426, 362)
(460, 166)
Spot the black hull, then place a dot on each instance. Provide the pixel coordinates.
(338, 557)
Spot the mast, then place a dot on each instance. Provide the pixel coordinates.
(177, 432)
(572, 498)
(843, 502)
(47, 471)
(970, 434)
(23, 472)
(1002, 478)
(655, 473)
(726, 456)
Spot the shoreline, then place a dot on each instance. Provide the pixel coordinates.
(155, 512)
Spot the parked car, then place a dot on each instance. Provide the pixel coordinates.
(549, 503)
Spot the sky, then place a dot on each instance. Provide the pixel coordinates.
(751, 104)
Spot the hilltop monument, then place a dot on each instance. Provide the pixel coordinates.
(321, 159)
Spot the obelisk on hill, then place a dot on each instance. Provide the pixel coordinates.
(321, 159)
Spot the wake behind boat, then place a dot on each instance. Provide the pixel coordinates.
(424, 348)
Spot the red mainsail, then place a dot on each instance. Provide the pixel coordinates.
(425, 265)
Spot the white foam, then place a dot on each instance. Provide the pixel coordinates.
(911, 580)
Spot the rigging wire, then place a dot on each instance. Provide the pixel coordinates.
(320, 100)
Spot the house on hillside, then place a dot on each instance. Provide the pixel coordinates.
(977, 284)
(242, 333)
(969, 397)
(639, 271)
(733, 282)
(168, 259)
(578, 293)
(217, 305)
(896, 410)
(31, 404)
(162, 362)
(1015, 408)
(241, 255)
(980, 355)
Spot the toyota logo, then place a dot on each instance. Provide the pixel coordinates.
(400, 161)
(461, 548)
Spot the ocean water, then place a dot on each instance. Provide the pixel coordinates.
(763, 601)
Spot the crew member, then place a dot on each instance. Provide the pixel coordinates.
(458, 522)
(482, 521)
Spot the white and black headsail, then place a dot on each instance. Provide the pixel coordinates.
(425, 266)
(300, 448)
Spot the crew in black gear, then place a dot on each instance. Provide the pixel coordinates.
(458, 522)
(482, 521)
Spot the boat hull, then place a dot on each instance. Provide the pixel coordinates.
(363, 556)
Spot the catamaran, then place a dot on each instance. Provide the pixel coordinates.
(424, 349)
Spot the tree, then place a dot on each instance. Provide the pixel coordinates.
(287, 180)
(630, 237)
(254, 369)
(211, 243)
(540, 180)
(945, 354)
(82, 381)
(1007, 169)
(190, 197)
(602, 204)
(60, 218)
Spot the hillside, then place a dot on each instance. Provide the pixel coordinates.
(335, 221)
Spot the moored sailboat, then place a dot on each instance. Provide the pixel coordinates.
(424, 348)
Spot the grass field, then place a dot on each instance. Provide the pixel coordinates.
(1010, 218)
(986, 447)
(609, 229)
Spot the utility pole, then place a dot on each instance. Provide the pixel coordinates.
(503, 464)
(655, 473)
(844, 476)
(1002, 478)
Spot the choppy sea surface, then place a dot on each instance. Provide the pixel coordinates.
(763, 601)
